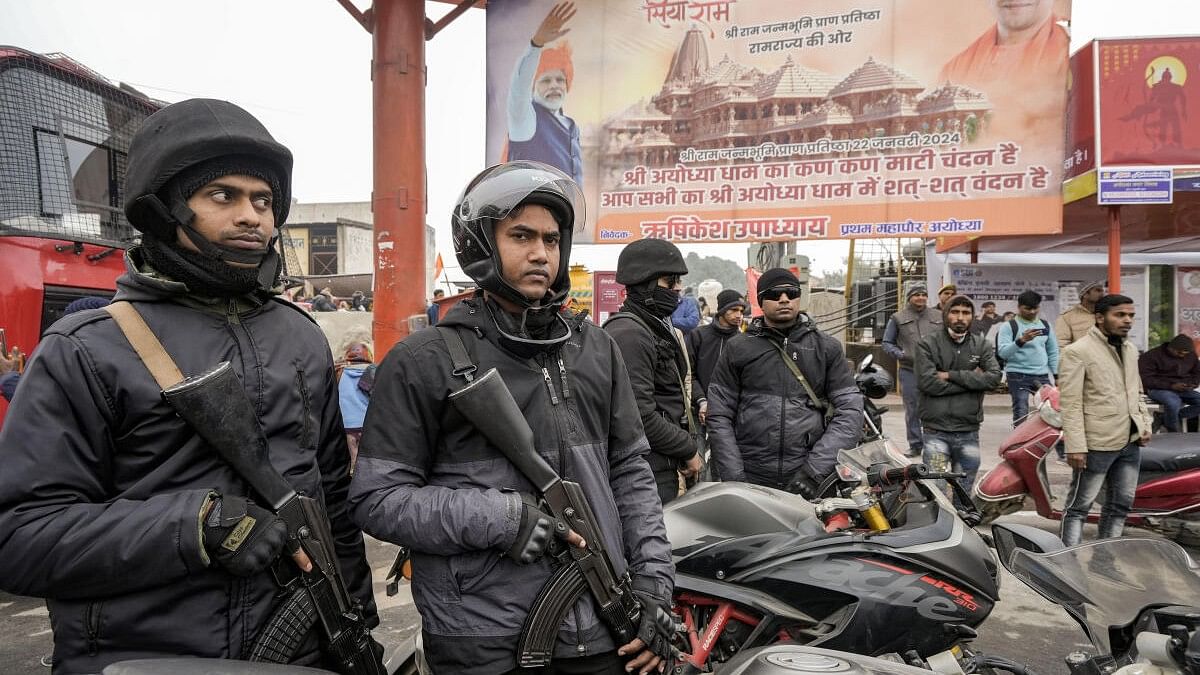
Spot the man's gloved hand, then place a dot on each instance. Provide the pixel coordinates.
(536, 534)
(656, 630)
(241, 536)
(804, 484)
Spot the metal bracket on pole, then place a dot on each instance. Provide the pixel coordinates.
(365, 19)
(433, 28)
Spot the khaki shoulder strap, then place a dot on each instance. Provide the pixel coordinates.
(146, 344)
(821, 404)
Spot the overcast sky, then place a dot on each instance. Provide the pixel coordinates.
(302, 67)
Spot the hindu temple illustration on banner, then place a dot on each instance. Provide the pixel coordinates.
(752, 120)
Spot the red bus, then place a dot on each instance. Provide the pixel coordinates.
(64, 143)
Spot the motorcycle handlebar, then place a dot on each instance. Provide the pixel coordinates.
(910, 472)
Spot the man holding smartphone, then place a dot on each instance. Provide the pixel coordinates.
(1030, 352)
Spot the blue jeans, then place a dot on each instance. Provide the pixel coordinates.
(912, 417)
(1173, 408)
(953, 451)
(1020, 387)
(1120, 470)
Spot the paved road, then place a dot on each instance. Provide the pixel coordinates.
(1023, 626)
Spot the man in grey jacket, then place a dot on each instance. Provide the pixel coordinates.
(904, 330)
(427, 479)
(954, 369)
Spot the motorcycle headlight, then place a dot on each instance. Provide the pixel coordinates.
(1049, 415)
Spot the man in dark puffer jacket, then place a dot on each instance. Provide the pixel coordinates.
(143, 541)
(763, 426)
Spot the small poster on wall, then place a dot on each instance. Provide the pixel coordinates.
(1187, 300)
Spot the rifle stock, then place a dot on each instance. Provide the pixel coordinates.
(215, 405)
(489, 405)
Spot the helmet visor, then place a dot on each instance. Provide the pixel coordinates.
(498, 190)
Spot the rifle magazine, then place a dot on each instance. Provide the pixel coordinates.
(558, 595)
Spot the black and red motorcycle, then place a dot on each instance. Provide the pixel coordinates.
(884, 566)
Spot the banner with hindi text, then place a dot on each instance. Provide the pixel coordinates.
(758, 120)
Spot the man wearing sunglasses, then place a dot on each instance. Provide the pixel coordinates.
(651, 271)
(782, 401)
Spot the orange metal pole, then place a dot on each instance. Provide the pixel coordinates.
(398, 198)
(1114, 249)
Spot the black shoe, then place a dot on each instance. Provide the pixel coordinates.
(914, 453)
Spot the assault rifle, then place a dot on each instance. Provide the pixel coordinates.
(217, 408)
(490, 407)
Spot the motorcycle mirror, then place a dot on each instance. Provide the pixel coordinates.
(1009, 538)
(866, 362)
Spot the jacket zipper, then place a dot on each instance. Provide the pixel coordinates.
(783, 419)
(562, 458)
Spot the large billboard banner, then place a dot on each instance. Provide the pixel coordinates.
(759, 120)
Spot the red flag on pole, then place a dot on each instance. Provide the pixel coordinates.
(438, 267)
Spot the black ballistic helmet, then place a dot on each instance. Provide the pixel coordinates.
(489, 198)
(647, 259)
(184, 135)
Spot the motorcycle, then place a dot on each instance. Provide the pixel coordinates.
(886, 566)
(1168, 492)
(1134, 598)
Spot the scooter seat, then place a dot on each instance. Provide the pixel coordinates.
(1168, 453)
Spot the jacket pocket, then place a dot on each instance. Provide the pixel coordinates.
(469, 569)
(309, 425)
(91, 626)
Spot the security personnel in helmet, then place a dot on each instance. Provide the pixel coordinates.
(427, 480)
(651, 271)
(145, 543)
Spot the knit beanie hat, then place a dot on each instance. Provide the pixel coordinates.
(1089, 285)
(80, 304)
(777, 276)
(948, 287)
(914, 287)
(729, 299)
(185, 183)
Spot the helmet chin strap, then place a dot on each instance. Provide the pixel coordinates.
(223, 253)
(524, 319)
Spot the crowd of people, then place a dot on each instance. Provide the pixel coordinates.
(110, 503)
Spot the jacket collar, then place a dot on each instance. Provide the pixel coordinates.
(143, 283)
(759, 328)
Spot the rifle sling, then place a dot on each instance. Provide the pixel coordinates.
(147, 345)
(820, 403)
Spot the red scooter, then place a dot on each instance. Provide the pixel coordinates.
(1168, 492)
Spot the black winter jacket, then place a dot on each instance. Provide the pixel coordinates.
(428, 480)
(102, 484)
(956, 404)
(705, 345)
(761, 424)
(655, 362)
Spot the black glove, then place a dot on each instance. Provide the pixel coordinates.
(536, 535)
(804, 484)
(658, 627)
(241, 536)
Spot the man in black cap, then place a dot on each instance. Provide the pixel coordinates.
(706, 343)
(782, 402)
(652, 271)
(144, 542)
(905, 329)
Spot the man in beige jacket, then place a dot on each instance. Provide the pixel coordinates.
(1074, 323)
(1104, 419)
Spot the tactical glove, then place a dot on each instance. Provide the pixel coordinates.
(241, 536)
(657, 627)
(804, 484)
(536, 535)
